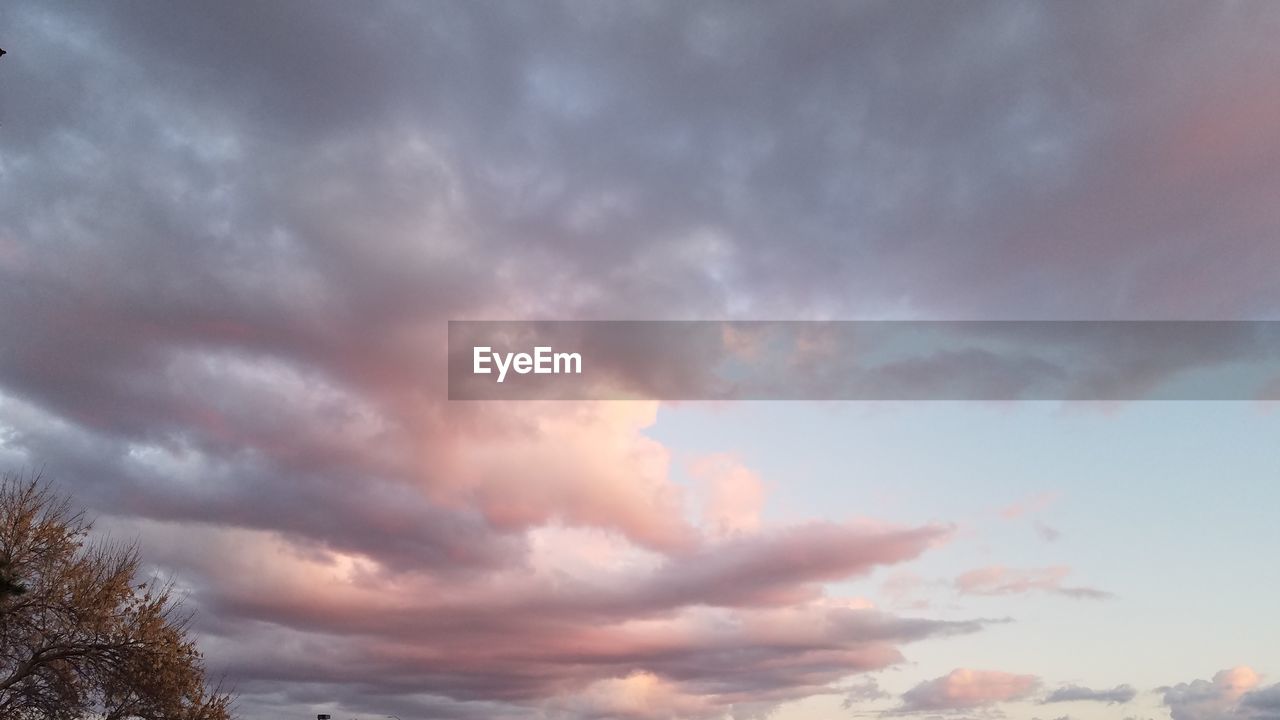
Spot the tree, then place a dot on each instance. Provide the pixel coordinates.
(80, 636)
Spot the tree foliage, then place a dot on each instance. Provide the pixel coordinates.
(80, 635)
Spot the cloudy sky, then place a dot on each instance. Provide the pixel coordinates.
(231, 236)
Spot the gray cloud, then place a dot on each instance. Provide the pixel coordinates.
(1263, 703)
(1232, 694)
(1075, 693)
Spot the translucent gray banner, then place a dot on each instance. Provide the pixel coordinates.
(864, 360)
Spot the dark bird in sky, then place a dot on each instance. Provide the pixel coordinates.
(1, 52)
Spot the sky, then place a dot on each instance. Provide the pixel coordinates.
(232, 234)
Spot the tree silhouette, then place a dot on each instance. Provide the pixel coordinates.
(80, 637)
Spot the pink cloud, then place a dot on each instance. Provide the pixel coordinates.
(734, 495)
(611, 629)
(1000, 580)
(963, 689)
(587, 466)
(637, 696)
